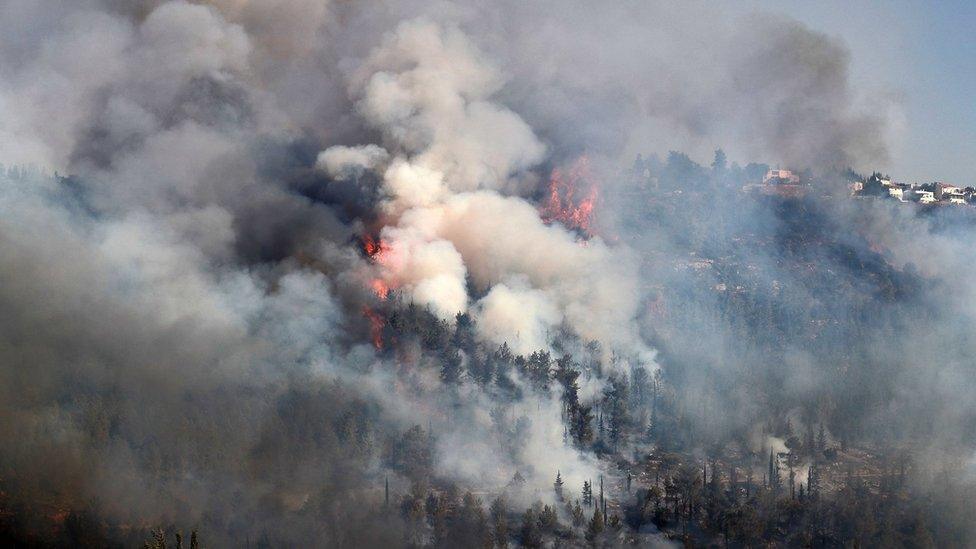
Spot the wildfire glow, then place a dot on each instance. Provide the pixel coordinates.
(380, 288)
(562, 203)
(372, 246)
(376, 323)
(377, 250)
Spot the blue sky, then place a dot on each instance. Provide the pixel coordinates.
(924, 56)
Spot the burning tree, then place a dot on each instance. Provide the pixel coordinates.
(571, 198)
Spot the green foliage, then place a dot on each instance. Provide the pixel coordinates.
(548, 519)
(530, 534)
(499, 523)
(411, 455)
(595, 527)
(558, 486)
(577, 514)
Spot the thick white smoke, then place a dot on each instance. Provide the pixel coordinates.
(449, 225)
(200, 269)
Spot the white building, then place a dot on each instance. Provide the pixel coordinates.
(944, 191)
(784, 176)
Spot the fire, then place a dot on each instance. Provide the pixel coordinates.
(380, 288)
(372, 246)
(376, 323)
(376, 250)
(562, 203)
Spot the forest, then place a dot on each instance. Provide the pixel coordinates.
(463, 274)
(718, 445)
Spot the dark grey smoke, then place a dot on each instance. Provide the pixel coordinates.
(636, 77)
(182, 340)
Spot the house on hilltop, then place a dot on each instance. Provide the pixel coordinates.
(777, 176)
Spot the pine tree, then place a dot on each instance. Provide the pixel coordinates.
(548, 519)
(412, 510)
(518, 479)
(194, 543)
(438, 512)
(792, 478)
(530, 534)
(558, 486)
(451, 366)
(813, 482)
(595, 528)
(600, 421)
(587, 493)
(777, 480)
(714, 484)
(499, 521)
(616, 400)
(470, 526)
(577, 514)
(581, 425)
(567, 377)
(538, 370)
(601, 502)
(720, 162)
(158, 540)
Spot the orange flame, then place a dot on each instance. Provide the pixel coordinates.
(561, 204)
(380, 288)
(376, 323)
(377, 251)
(372, 246)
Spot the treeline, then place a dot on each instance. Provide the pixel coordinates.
(773, 308)
(446, 520)
(767, 313)
(625, 406)
(706, 507)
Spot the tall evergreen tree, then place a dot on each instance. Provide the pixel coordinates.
(581, 426)
(577, 514)
(530, 534)
(499, 523)
(451, 369)
(596, 526)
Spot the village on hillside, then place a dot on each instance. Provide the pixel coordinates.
(937, 192)
(878, 185)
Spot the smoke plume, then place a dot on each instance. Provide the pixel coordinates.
(183, 338)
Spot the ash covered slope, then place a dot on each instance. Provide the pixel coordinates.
(190, 325)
